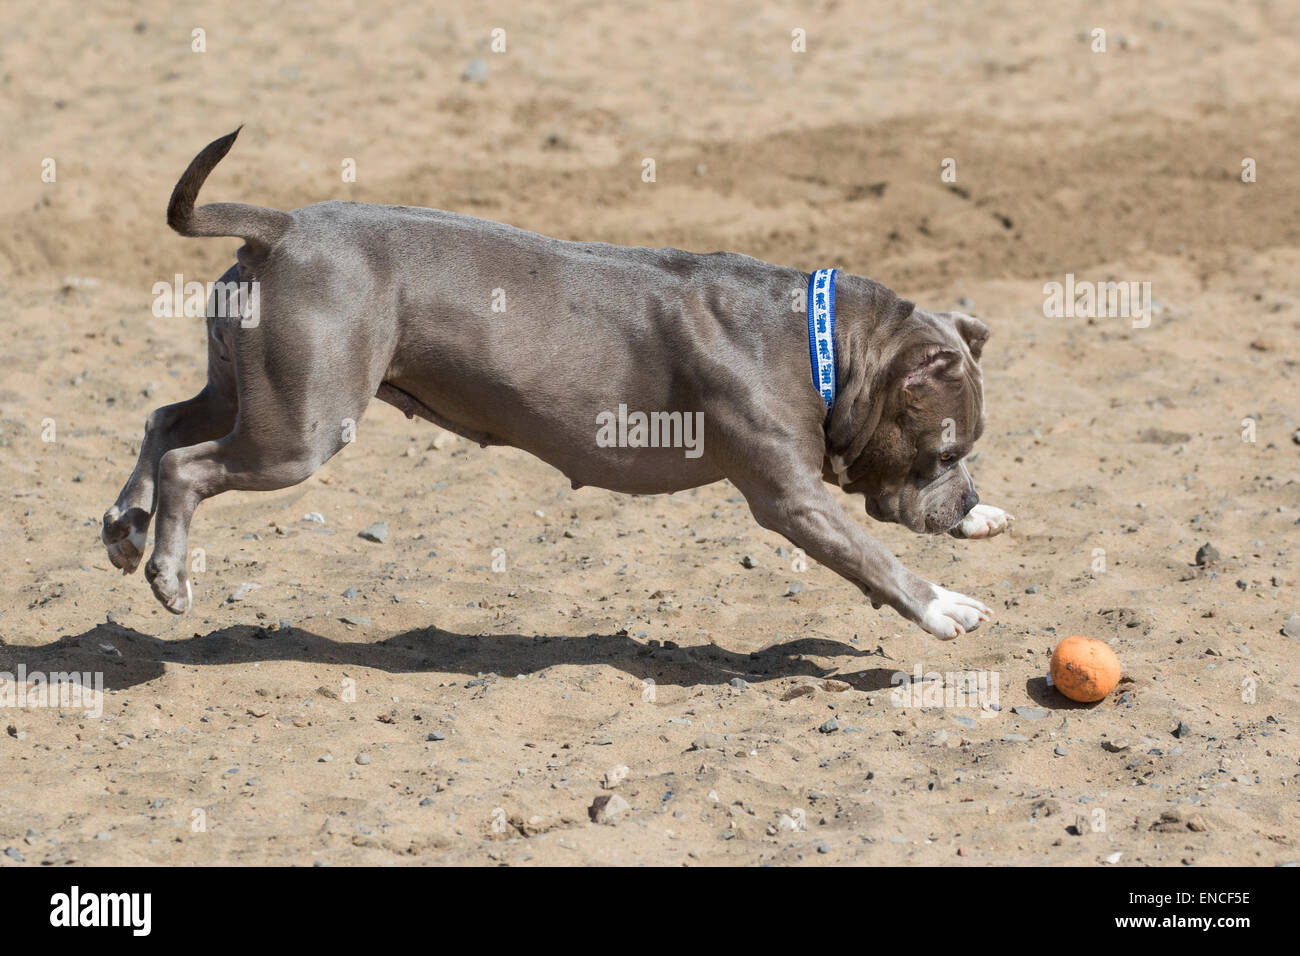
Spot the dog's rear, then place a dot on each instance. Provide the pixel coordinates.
(251, 427)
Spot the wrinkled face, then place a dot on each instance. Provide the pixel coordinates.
(917, 473)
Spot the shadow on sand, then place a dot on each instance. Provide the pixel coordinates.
(432, 650)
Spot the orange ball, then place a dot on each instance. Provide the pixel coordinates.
(1084, 669)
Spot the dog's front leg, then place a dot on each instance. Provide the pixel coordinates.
(984, 521)
(808, 515)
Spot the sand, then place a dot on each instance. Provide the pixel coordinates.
(472, 715)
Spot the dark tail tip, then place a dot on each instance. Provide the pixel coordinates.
(181, 207)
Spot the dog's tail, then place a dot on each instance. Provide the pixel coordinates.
(256, 225)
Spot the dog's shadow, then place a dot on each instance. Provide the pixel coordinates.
(128, 657)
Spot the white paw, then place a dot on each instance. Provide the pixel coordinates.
(949, 614)
(984, 521)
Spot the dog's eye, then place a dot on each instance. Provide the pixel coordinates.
(947, 456)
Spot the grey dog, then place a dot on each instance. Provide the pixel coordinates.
(507, 337)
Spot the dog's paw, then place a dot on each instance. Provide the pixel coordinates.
(172, 589)
(950, 615)
(984, 521)
(124, 537)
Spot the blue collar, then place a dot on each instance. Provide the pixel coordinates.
(821, 333)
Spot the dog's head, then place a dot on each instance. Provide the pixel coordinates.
(912, 468)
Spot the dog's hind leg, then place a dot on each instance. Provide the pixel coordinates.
(282, 435)
(208, 415)
(245, 460)
(126, 523)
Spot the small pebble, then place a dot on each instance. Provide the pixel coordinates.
(607, 808)
(1029, 713)
(241, 592)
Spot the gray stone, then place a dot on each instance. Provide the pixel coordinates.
(1029, 713)
(377, 532)
(607, 808)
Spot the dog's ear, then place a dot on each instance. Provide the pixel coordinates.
(974, 332)
(927, 368)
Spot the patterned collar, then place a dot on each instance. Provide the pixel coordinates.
(821, 334)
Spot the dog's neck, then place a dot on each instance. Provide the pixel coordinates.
(871, 329)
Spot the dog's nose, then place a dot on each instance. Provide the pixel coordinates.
(969, 501)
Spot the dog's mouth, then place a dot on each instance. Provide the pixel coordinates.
(942, 527)
(916, 523)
